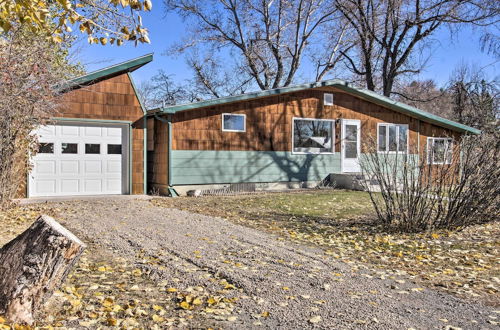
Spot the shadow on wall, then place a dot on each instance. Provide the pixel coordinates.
(262, 153)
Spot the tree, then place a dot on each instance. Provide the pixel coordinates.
(392, 35)
(103, 20)
(265, 40)
(425, 95)
(475, 100)
(30, 69)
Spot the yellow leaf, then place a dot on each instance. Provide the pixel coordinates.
(265, 314)
(112, 322)
(101, 269)
(212, 301)
(157, 307)
(185, 305)
(137, 272)
(435, 236)
(286, 288)
(108, 302)
(171, 290)
(158, 318)
(197, 301)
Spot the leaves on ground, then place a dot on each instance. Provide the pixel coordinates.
(463, 262)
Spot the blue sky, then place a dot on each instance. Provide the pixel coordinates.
(166, 30)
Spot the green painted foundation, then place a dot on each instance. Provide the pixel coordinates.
(189, 167)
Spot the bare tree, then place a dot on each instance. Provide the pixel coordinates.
(392, 36)
(266, 39)
(30, 69)
(475, 99)
(425, 95)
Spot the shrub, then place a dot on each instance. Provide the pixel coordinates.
(412, 195)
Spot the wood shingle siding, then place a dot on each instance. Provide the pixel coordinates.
(112, 99)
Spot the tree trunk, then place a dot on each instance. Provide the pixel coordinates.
(33, 265)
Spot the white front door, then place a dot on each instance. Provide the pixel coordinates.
(80, 159)
(351, 145)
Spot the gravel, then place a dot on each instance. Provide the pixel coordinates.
(278, 284)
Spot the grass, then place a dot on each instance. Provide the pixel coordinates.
(340, 222)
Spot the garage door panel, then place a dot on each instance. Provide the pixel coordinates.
(72, 168)
(70, 131)
(47, 187)
(93, 131)
(45, 167)
(70, 186)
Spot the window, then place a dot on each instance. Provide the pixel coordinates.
(92, 148)
(233, 123)
(439, 150)
(313, 136)
(327, 99)
(69, 148)
(46, 148)
(392, 138)
(114, 149)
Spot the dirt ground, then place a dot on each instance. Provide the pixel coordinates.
(150, 266)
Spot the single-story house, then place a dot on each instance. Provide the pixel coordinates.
(97, 142)
(288, 137)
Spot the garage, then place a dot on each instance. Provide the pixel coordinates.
(80, 159)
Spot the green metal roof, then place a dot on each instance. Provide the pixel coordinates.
(340, 84)
(109, 72)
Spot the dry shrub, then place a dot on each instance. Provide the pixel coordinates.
(411, 195)
(31, 68)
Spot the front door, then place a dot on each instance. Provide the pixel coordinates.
(351, 140)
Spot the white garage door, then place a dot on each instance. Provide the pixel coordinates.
(80, 160)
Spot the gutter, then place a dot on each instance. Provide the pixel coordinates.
(168, 121)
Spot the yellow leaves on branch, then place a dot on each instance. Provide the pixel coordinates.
(57, 21)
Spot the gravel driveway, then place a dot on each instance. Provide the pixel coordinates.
(277, 283)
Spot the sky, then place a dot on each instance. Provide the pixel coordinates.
(165, 30)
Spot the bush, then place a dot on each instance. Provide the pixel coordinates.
(30, 69)
(411, 195)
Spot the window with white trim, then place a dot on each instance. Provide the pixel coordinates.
(439, 150)
(392, 137)
(328, 99)
(313, 136)
(233, 122)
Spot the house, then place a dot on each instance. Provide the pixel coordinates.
(96, 144)
(287, 137)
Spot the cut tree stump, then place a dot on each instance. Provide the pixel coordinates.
(33, 265)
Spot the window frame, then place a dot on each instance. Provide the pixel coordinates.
(387, 125)
(431, 146)
(332, 122)
(234, 130)
(324, 99)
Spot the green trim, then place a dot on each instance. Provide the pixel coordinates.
(343, 85)
(111, 71)
(84, 120)
(145, 129)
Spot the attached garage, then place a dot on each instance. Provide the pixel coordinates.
(96, 143)
(80, 159)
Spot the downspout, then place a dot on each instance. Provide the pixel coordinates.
(168, 121)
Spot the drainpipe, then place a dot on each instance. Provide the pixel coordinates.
(168, 121)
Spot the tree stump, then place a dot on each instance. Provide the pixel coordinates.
(33, 265)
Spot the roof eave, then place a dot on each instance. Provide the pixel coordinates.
(111, 71)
